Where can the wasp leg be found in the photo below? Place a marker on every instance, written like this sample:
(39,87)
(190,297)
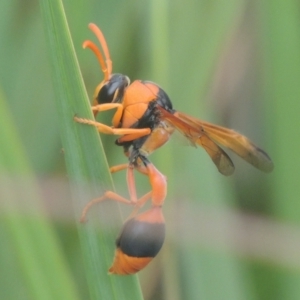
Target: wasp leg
(131,133)
(118,168)
(108,195)
(107,106)
(158,182)
(141,169)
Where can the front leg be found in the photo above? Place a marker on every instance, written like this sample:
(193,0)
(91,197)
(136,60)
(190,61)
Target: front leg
(108,106)
(131,133)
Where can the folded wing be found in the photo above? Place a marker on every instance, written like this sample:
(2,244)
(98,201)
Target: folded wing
(199,137)
(209,136)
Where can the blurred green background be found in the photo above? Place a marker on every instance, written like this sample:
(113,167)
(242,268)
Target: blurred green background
(234,63)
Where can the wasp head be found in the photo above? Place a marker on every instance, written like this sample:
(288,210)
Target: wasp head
(112,90)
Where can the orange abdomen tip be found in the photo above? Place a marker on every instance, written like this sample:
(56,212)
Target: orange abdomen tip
(139,242)
(126,265)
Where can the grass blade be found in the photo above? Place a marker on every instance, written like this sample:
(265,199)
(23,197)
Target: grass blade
(84,156)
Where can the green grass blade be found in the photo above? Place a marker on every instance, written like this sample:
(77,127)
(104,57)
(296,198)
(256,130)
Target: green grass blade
(84,156)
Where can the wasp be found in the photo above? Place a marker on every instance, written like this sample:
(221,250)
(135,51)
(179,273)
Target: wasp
(144,121)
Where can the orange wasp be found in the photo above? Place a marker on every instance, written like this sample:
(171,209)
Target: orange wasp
(145,120)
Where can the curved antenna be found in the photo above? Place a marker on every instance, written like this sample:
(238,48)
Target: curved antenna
(105,62)
(95,49)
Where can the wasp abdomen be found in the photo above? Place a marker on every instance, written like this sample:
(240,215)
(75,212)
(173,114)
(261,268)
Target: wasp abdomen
(141,239)
(139,242)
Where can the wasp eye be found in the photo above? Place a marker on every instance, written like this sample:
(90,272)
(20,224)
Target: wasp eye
(113,89)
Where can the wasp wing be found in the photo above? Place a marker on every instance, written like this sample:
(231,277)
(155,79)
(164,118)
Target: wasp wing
(234,141)
(198,136)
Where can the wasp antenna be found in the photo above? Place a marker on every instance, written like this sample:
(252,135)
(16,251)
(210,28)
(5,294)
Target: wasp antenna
(104,46)
(95,49)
